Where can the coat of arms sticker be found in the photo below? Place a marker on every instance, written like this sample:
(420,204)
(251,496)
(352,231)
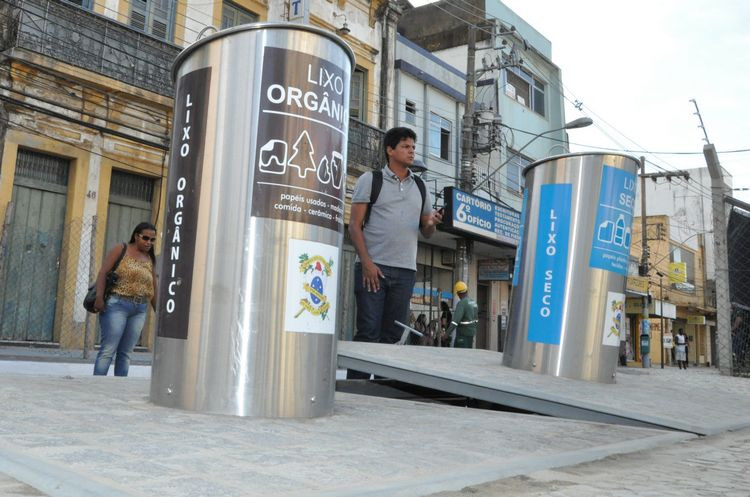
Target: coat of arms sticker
(312,287)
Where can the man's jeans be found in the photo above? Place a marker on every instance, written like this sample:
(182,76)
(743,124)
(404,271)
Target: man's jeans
(122,321)
(377,311)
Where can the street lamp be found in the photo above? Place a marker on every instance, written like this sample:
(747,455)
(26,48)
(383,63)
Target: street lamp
(418,167)
(581,122)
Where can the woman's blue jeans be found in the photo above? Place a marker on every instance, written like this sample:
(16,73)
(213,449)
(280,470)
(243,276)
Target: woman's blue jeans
(122,321)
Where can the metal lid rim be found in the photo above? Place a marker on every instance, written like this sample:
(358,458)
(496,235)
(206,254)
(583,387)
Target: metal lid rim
(575,154)
(187,51)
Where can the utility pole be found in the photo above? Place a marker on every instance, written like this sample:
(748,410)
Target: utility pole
(721,262)
(643,269)
(719,195)
(463,246)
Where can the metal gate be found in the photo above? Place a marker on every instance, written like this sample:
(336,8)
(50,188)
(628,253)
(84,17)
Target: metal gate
(738,240)
(30,271)
(130,197)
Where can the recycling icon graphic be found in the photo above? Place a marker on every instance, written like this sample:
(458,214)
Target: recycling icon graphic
(278,157)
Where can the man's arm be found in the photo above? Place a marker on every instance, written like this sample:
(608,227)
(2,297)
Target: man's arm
(371,273)
(458,315)
(428,222)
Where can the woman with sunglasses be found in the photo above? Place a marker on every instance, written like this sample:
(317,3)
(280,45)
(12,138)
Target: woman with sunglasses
(123,314)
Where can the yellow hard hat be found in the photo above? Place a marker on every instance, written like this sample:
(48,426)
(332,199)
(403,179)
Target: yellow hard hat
(460,287)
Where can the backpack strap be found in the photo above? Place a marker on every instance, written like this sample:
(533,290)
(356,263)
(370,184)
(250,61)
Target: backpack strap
(122,254)
(422,191)
(375,187)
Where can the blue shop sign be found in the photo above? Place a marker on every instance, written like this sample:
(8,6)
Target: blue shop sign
(551,261)
(610,248)
(483,218)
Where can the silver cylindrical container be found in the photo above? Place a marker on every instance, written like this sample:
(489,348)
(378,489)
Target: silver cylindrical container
(568,303)
(246,321)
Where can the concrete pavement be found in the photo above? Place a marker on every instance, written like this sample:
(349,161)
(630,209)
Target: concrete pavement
(715,466)
(64,433)
(79,436)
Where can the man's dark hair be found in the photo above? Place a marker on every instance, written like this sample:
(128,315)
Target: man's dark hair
(394,136)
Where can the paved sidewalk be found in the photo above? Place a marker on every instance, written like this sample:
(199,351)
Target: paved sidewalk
(86,436)
(57,355)
(10,487)
(715,466)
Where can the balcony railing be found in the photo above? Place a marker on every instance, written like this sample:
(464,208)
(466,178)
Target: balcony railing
(365,145)
(76,36)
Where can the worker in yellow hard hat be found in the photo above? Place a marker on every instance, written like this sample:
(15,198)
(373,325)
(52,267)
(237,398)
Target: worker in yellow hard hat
(464,323)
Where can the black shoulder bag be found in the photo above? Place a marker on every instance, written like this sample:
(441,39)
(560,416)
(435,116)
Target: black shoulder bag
(109,283)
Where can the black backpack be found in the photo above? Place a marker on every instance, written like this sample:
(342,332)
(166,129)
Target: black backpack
(377,184)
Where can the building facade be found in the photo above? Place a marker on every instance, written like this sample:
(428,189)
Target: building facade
(86,118)
(85,123)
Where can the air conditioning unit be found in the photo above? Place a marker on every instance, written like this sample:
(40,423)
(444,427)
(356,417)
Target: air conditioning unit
(447,257)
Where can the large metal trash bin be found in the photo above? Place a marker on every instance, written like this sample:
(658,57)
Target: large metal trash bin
(246,323)
(568,301)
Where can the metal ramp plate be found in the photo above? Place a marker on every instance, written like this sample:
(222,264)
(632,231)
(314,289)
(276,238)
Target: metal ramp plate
(696,400)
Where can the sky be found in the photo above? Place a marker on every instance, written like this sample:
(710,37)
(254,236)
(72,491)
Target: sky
(636,64)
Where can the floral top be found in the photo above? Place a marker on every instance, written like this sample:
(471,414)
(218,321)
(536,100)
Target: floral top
(135,278)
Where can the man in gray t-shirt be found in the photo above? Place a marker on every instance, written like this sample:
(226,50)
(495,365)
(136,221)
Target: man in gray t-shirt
(386,246)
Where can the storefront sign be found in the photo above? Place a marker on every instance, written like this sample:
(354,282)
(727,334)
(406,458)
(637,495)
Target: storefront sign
(610,249)
(633,306)
(493,270)
(468,214)
(551,256)
(696,320)
(678,272)
(299,11)
(637,284)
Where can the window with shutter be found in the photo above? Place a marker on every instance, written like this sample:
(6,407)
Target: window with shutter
(154,17)
(86,4)
(234,15)
(357,94)
(410,112)
(138,10)
(160,18)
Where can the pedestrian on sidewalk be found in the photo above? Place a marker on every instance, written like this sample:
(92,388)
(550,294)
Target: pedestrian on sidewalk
(122,314)
(446,316)
(681,349)
(422,326)
(464,323)
(390,207)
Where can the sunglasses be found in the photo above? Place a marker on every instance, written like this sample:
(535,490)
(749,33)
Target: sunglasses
(147,238)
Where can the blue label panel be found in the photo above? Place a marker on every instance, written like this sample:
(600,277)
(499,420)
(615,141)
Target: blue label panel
(551,260)
(521,229)
(610,248)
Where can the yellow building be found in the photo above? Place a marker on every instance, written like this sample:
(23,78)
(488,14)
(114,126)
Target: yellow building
(85,121)
(676,277)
